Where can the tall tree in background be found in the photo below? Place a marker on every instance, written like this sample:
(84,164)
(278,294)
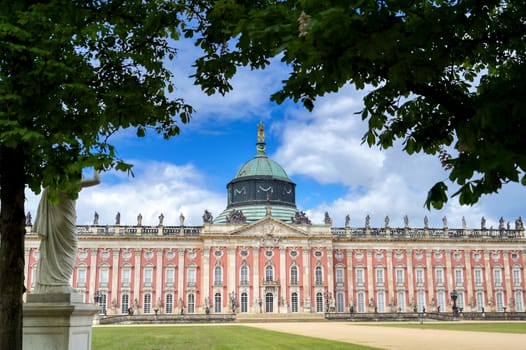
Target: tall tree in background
(72,73)
(446,77)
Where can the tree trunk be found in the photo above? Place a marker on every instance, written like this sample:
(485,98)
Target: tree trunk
(12,231)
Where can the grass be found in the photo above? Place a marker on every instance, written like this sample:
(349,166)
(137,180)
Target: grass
(207,337)
(497,327)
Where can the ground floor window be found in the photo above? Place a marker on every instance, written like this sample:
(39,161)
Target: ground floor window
(319,302)
(401,301)
(441,301)
(340,302)
(244,302)
(361,302)
(460,300)
(147,305)
(294,302)
(421,301)
(519,306)
(500,301)
(125,303)
(269,302)
(381,301)
(102,303)
(169,304)
(190,306)
(480,301)
(217,303)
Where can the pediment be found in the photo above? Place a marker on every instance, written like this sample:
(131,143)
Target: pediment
(270,229)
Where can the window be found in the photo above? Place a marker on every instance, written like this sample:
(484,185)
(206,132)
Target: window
(421,296)
(399,276)
(519,306)
(319,275)
(170,276)
(517,277)
(319,302)
(148,275)
(380,301)
(244,302)
(480,301)
(439,275)
(244,275)
(380,276)
(104,276)
(33,275)
(191,276)
(441,300)
(81,277)
(459,278)
(147,306)
(126,272)
(217,303)
(340,302)
(419,276)
(102,304)
(500,301)
(339,276)
(401,301)
(218,275)
(125,303)
(497,277)
(269,273)
(361,302)
(169,304)
(191,303)
(478,276)
(269,302)
(359,276)
(294,275)
(460,300)
(294,302)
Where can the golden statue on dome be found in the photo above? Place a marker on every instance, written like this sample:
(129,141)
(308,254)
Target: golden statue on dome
(261,132)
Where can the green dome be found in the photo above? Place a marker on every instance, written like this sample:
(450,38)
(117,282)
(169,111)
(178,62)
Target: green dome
(261,165)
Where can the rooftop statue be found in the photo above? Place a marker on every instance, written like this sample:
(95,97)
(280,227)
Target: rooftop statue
(483,223)
(95,219)
(261,132)
(501,223)
(55,223)
(181,219)
(236,217)
(387,220)
(207,217)
(161,219)
(444,221)
(464,225)
(367,221)
(28,219)
(426,222)
(118,219)
(139,219)
(406,221)
(300,218)
(328,220)
(347,220)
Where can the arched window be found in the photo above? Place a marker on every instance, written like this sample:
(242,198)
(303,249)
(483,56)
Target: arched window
(319,275)
(218,275)
(191,303)
(294,275)
(319,302)
(147,307)
(269,273)
(294,302)
(269,302)
(244,275)
(125,303)
(217,303)
(244,302)
(169,304)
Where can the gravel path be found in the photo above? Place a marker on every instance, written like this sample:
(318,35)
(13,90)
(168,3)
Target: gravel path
(400,338)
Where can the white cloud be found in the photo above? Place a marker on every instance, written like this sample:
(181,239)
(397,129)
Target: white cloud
(157,188)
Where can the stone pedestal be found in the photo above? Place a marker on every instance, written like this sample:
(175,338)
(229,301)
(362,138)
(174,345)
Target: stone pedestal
(57,322)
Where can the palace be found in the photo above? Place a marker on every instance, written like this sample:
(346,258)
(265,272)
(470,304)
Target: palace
(263,255)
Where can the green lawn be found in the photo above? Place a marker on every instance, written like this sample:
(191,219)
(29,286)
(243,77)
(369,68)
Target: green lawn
(499,327)
(206,337)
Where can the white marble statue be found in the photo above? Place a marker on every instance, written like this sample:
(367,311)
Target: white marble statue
(55,224)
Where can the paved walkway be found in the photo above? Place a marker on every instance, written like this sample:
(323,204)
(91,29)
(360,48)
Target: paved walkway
(400,338)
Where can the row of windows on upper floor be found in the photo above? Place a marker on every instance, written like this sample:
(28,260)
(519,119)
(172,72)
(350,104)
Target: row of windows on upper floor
(244,273)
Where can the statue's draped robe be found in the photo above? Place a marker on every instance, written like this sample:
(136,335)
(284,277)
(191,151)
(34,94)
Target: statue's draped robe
(56,226)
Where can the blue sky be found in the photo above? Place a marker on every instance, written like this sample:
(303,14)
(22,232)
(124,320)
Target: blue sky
(321,152)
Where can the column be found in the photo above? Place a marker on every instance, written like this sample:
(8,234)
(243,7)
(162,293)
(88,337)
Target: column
(158,280)
(450,272)
(390,276)
(180,275)
(507,280)
(370,277)
(430,272)
(468,282)
(205,278)
(231,269)
(137,278)
(255,278)
(307,303)
(488,286)
(114,278)
(410,278)
(92,273)
(350,278)
(283,277)
(330,272)
(26,269)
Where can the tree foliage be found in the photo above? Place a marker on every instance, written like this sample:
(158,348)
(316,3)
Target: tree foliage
(72,73)
(445,77)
